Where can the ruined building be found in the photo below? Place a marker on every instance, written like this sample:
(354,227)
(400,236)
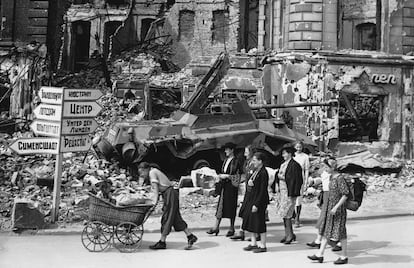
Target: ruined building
(353,53)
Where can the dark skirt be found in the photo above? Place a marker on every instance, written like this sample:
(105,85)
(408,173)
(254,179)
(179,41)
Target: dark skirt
(255,222)
(171,216)
(242,210)
(227,204)
(325,196)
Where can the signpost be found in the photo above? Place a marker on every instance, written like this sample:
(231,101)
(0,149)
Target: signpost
(66,115)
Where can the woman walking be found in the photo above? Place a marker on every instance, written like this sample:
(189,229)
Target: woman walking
(227,188)
(171,216)
(303,160)
(248,170)
(254,218)
(290,183)
(332,222)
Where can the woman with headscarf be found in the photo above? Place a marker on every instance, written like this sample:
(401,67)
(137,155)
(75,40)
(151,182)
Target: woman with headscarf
(227,188)
(332,222)
(290,183)
(171,216)
(254,218)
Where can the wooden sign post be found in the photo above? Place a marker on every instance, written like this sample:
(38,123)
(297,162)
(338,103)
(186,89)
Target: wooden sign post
(67,116)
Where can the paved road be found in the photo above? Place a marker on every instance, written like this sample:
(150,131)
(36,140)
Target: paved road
(373,243)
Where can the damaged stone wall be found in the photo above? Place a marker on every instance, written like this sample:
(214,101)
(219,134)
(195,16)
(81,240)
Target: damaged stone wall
(202,43)
(317,81)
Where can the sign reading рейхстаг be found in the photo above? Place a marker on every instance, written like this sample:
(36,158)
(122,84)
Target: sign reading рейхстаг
(25,146)
(77,143)
(82,109)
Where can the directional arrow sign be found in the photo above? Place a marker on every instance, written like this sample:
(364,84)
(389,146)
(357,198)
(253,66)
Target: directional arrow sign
(36,146)
(81,109)
(79,143)
(51,95)
(46,128)
(82,94)
(48,112)
(78,126)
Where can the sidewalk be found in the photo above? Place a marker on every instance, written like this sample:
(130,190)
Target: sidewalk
(393,203)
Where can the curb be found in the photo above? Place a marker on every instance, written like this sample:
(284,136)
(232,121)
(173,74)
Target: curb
(77,231)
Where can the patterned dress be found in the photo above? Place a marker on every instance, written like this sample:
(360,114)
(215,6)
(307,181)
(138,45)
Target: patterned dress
(285,204)
(333,227)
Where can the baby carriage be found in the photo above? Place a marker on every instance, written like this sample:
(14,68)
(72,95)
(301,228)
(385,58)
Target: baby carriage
(114,225)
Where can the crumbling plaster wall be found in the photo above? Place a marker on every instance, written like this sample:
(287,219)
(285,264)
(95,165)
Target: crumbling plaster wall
(303,82)
(202,43)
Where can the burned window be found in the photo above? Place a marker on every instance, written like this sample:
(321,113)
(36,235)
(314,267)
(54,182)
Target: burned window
(359,116)
(367,36)
(186,25)
(145,26)
(220,26)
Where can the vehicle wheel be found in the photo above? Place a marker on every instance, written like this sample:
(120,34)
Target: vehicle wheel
(201,163)
(129,236)
(96,236)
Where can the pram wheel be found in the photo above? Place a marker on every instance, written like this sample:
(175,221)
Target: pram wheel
(129,236)
(96,236)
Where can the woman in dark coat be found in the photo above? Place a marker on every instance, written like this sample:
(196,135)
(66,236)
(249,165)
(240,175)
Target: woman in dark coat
(228,189)
(332,222)
(254,217)
(248,170)
(290,183)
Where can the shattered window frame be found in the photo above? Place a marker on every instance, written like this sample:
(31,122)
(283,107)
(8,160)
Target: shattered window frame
(368,109)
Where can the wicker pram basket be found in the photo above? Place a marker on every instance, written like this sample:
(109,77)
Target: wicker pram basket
(110,214)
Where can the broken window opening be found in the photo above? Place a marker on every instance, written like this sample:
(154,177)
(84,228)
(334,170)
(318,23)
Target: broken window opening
(186,25)
(220,26)
(367,36)
(359,116)
(80,2)
(81,31)
(145,26)
(110,29)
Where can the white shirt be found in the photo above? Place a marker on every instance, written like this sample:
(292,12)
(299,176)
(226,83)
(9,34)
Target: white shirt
(325,176)
(226,165)
(303,160)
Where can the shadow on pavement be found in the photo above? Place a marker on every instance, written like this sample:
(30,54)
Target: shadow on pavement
(359,252)
(181,245)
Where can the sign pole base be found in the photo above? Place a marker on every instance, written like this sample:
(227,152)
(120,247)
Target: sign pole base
(56,187)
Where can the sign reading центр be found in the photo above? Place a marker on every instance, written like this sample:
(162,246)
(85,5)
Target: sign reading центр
(83,109)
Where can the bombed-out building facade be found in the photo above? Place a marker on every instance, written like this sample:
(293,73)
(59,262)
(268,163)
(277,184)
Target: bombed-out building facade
(355,56)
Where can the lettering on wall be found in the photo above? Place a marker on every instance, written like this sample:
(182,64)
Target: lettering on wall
(384,79)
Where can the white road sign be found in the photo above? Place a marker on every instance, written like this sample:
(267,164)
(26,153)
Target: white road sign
(46,128)
(81,109)
(82,94)
(36,146)
(51,95)
(78,126)
(78,143)
(48,112)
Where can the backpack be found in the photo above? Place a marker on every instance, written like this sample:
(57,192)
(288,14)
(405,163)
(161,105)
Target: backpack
(356,193)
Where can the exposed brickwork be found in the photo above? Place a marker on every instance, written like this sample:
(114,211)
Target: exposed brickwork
(201,43)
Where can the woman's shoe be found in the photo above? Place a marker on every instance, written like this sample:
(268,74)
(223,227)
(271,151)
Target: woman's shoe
(313,244)
(316,258)
(250,247)
(230,233)
(289,241)
(240,236)
(283,240)
(159,245)
(341,261)
(336,248)
(259,250)
(213,231)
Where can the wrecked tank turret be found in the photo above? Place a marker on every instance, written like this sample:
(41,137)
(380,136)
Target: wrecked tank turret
(192,137)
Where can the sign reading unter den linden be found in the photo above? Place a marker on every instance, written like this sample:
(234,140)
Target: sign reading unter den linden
(78,126)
